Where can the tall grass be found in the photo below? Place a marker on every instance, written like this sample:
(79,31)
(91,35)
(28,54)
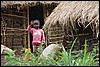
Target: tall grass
(64,59)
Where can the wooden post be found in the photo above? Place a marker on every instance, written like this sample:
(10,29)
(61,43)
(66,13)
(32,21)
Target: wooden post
(4,33)
(44,11)
(27,57)
(24,40)
(12,35)
(46,39)
(4,37)
(28,24)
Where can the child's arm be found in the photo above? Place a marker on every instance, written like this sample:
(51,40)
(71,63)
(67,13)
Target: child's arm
(29,29)
(43,36)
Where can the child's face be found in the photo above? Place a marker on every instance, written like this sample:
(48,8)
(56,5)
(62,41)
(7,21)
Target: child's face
(36,25)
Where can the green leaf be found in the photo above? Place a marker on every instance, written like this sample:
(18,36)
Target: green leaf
(73,44)
(6,57)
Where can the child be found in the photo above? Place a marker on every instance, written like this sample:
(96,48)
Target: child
(38,36)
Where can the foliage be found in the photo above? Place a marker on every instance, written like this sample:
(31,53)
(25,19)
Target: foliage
(64,59)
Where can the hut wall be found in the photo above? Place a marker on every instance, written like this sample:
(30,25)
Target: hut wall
(55,34)
(13,29)
(87,35)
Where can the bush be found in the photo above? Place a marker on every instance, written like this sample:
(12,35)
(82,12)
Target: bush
(64,59)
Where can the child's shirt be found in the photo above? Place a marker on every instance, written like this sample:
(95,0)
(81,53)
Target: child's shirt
(38,35)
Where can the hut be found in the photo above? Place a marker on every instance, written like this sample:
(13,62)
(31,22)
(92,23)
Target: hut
(15,17)
(71,19)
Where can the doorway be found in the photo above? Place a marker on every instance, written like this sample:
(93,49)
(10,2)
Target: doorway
(36,12)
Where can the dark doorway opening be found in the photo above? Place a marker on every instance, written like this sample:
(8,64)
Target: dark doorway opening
(36,12)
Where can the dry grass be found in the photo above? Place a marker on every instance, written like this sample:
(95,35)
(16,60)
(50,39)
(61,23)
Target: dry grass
(24,3)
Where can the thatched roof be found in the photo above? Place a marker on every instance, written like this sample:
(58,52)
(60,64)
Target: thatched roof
(25,3)
(68,13)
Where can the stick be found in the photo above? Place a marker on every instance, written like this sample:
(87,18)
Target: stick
(28,24)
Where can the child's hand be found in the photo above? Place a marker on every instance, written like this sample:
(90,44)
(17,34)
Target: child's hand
(32,22)
(43,41)
(29,25)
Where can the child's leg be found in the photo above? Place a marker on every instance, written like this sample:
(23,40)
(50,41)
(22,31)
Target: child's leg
(39,48)
(34,50)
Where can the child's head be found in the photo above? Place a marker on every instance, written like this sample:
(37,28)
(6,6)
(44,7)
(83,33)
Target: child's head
(36,24)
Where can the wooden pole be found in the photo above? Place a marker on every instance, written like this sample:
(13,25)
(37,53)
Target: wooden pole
(46,39)
(27,57)
(4,37)
(14,15)
(28,24)
(24,41)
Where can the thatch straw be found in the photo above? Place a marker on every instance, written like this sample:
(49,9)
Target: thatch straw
(26,3)
(68,13)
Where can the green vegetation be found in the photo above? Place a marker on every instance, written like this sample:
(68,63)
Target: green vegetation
(64,59)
